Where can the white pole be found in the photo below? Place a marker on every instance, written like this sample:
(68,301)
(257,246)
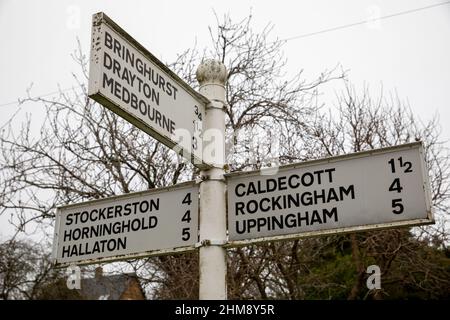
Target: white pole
(212,77)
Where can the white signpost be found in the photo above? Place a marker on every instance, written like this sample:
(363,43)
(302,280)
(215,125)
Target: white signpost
(363,191)
(129,226)
(368,190)
(130,81)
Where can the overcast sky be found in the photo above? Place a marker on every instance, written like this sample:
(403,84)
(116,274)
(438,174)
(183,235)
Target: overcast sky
(409,53)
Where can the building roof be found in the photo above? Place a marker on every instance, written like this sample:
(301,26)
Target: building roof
(106,287)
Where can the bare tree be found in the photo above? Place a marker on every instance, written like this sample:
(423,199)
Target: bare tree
(297,269)
(24,268)
(86,152)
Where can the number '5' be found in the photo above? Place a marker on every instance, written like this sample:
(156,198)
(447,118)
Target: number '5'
(398,206)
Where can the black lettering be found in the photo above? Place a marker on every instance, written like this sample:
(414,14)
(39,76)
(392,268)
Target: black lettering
(96,248)
(350,191)
(162,82)
(129,58)
(152,112)
(110,214)
(271,185)
(135,225)
(158,118)
(278,222)
(144,206)
(126,226)
(122,243)
(101,214)
(236,191)
(282,183)
(332,196)
(251,188)
(153,222)
(67,235)
(175,93)
(239,230)
(139,65)
(134,101)
(69,219)
(74,252)
(108,40)
(251,223)
(127,209)
(155,96)
(76,233)
(318,174)
(252,206)
(117,47)
(107,61)
(76,214)
(84,217)
(320,195)
(330,174)
(117,89)
(304,218)
(142,107)
(125,95)
(116,68)
(91,215)
(108,82)
(276,203)
(166,123)
(154,204)
(240,208)
(315,217)
(66,250)
(261,204)
(310,177)
(293,199)
(330,214)
(261,222)
(147,91)
(85,233)
(290,221)
(169,89)
(125,75)
(135,204)
(148,73)
(291,183)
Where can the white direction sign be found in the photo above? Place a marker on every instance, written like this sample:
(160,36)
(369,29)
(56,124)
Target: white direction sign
(130,81)
(129,226)
(367,190)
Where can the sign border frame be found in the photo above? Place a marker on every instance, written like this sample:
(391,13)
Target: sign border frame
(121,257)
(99,18)
(343,230)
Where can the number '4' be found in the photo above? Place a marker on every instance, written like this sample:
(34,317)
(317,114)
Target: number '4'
(395,186)
(187,216)
(187,199)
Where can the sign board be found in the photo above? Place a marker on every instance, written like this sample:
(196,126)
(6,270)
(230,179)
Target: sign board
(362,191)
(129,226)
(130,81)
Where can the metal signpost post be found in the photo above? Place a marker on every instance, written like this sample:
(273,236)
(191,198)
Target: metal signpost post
(368,190)
(212,76)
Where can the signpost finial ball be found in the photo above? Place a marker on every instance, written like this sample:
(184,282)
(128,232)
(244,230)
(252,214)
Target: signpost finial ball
(211,71)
